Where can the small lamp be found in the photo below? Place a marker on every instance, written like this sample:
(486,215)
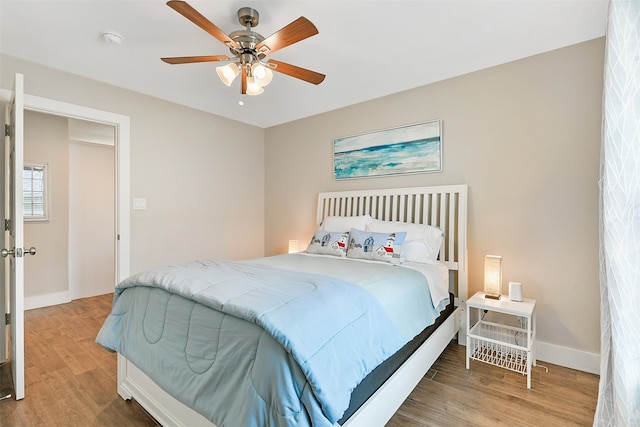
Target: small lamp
(492,276)
(293,246)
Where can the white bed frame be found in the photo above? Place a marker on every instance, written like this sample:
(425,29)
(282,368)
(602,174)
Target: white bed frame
(442,206)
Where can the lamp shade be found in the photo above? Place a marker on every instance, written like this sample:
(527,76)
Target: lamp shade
(253,88)
(228,73)
(261,74)
(492,276)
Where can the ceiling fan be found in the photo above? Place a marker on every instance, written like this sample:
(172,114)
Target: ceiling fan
(249,49)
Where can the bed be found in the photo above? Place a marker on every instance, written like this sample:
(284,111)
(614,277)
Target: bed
(351,284)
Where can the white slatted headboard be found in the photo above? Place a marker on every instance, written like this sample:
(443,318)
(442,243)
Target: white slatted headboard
(441,206)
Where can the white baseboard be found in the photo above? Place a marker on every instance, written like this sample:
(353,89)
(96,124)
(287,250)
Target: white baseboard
(568,357)
(46,300)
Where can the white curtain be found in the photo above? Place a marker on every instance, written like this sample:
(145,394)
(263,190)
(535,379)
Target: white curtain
(619,393)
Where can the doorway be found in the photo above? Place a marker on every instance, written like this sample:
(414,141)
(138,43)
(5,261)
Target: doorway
(122,139)
(121,126)
(74,232)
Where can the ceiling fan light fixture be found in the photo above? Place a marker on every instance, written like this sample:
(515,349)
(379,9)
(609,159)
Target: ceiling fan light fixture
(261,74)
(249,49)
(228,73)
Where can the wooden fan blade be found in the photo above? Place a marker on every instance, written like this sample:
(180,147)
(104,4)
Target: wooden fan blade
(297,72)
(298,30)
(244,81)
(194,16)
(191,59)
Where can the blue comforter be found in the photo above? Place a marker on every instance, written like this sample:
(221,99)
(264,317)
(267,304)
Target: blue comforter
(264,346)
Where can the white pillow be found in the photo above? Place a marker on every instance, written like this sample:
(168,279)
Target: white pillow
(422,243)
(345,223)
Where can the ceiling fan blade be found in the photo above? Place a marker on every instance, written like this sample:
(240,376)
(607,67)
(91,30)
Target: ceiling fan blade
(244,81)
(191,59)
(297,72)
(194,16)
(298,30)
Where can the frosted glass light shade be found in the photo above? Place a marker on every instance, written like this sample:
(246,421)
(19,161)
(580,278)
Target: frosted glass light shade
(228,73)
(253,88)
(261,74)
(492,276)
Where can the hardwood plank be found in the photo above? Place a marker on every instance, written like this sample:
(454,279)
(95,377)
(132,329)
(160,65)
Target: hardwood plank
(486,395)
(40,354)
(98,385)
(445,404)
(43,397)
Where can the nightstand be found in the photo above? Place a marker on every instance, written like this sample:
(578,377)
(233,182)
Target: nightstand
(497,342)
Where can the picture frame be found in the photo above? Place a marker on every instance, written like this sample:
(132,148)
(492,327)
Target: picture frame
(409,149)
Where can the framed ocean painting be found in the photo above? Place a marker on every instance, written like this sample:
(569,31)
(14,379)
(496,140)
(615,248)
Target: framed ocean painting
(403,150)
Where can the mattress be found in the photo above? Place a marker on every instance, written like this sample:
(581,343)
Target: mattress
(374,380)
(182,340)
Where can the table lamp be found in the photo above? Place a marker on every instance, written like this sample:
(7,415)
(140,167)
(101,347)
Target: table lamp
(492,276)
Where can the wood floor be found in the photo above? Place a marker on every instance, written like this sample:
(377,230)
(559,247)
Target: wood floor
(71,381)
(485,395)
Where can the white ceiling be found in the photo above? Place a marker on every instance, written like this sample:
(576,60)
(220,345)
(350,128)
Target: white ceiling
(367,49)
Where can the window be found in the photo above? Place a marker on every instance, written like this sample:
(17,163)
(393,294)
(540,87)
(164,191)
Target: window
(34,192)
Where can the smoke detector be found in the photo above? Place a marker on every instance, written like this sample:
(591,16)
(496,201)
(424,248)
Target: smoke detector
(111,37)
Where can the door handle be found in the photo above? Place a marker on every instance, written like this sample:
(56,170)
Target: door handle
(6,252)
(17,252)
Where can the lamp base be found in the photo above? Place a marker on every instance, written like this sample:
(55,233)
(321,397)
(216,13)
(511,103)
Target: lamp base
(492,296)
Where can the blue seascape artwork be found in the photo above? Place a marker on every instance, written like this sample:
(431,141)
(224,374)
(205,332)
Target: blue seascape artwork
(410,149)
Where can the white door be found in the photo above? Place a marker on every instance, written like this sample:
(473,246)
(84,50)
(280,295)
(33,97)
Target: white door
(13,251)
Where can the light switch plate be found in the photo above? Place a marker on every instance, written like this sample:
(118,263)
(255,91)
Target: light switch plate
(139,203)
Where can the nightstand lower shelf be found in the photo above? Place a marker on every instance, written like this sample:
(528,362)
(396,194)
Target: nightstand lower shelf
(498,345)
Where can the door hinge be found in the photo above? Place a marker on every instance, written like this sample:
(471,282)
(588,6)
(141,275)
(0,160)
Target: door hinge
(7,318)
(7,130)
(7,225)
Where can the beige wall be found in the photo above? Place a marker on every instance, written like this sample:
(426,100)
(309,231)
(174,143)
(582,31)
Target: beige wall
(92,224)
(202,175)
(524,136)
(46,141)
